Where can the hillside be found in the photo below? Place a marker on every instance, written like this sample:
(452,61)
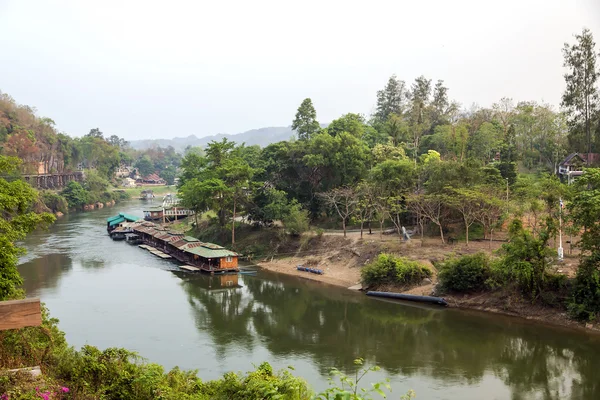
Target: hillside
(261,137)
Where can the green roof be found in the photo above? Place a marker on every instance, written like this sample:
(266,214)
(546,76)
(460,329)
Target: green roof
(116,221)
(209,253)
(127,217)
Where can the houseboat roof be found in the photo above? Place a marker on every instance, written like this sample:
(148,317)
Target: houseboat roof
(184,243)
(122,217)
(207,250)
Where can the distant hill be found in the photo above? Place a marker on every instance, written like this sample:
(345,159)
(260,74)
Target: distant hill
(261,137)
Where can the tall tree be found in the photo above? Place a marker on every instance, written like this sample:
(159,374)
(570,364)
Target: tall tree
(305,123)
(419,118)
(580,98)
(391,99)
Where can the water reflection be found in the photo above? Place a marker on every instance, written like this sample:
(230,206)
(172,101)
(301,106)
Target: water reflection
(44,272)
(293,318)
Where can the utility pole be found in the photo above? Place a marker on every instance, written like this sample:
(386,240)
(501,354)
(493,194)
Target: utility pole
(560,248)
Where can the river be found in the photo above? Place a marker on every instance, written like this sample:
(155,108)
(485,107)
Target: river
(111,294)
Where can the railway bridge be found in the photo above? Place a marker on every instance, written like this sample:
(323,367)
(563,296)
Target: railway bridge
(53,181)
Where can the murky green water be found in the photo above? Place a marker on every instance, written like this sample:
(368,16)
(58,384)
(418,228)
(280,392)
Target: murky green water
(109,293)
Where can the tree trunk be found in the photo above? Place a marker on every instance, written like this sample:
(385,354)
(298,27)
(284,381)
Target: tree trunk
(362,224)
(467,232)
(441,233)
(381,230)
(344,226)
(370,232)
(233,225)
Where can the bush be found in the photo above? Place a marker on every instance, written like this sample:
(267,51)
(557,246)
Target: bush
(465,274)
(55,202)
(584,302)
(75,195)
(297,221)
(388,269)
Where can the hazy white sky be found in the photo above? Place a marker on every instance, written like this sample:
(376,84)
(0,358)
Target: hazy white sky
(160,69)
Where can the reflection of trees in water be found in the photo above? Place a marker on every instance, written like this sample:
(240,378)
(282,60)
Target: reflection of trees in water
(333,329)
(222,312)
(45,271)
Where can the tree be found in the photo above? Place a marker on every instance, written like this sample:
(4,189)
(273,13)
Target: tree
(365,207)
(396,129)
(94,182)
(391,99)
(297,221)
(344,201)
(237,174)
(75,194)
(580,98)
(201,196)
(433,207)
(145,166)
(352,123)
(168,174)
(468,203)
(16,201)
(305,123)
(419,120)
(95,133)
(490,211)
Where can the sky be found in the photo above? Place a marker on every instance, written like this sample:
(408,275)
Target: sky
(163,69)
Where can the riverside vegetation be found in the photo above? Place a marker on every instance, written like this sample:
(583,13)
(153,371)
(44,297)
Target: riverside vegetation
(420,160)
(116,373)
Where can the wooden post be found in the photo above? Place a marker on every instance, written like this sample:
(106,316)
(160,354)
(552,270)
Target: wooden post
(15,314)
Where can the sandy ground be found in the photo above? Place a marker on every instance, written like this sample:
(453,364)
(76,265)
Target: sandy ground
(334,273)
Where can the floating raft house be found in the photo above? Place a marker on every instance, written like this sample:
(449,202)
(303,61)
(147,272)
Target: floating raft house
(207,257)
(115,222)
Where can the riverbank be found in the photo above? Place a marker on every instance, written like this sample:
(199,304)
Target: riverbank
(341,260)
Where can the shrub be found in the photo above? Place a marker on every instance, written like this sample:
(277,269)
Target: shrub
(584,302)
(465,274)
(55,202)
(388,269)
(297,221)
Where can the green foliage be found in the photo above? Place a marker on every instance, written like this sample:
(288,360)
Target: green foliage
(346,387)
(54,201)
(94,182)
(584,303)
(584,209)
(144,165)
(468,273)
(296,222)
(580,99)
(168,174)
(17,199)
(75,195)
(525,259)
(305,123)
(388,269)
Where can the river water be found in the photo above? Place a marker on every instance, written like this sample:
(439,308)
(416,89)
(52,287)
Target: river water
(111,294)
